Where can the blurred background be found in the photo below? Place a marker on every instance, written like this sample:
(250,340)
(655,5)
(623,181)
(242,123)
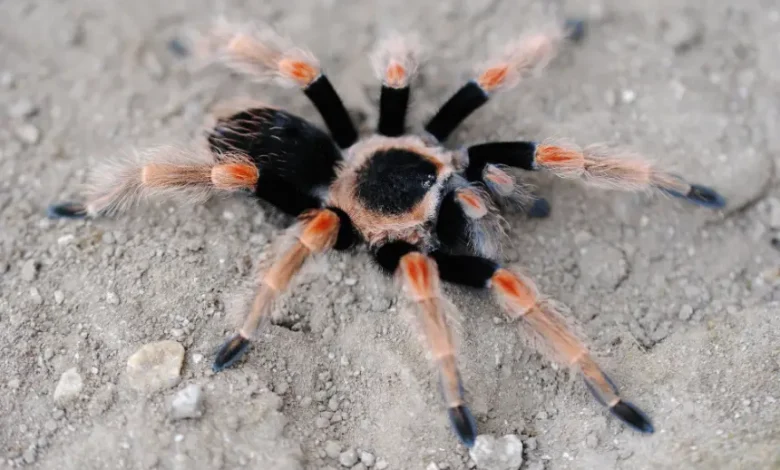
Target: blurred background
(680,303)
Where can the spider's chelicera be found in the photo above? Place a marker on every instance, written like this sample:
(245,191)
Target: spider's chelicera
(427,213)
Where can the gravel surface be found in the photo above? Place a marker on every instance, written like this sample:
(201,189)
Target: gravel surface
(681,304)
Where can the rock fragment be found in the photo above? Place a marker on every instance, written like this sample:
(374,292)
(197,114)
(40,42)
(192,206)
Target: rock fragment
(156,366)
(490,453)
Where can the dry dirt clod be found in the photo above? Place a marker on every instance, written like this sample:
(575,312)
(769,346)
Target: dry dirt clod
(156,366)
(69,387)
(187,403)
(490,453)
(348,458)
(332,449)
(30,270)
(28,133)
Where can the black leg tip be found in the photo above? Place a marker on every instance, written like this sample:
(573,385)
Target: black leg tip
(66,210)
(463,424)
(632,416)
(540,209)
(575,29)
(178,48)
(702,196)
(230,352)
(707,197)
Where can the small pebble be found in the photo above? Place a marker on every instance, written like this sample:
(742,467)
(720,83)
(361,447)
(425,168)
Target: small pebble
(685,312)
(29,455)
(432,466)
(628,96)
(531,443)
(332,449)
(348,458)
(69,387)
(35,296)
(112,298)
(156,366)
(322,422)
(187,403)
(333,404)
(381,465)
(28,134)
(23,108)
(367,458)
(592,441)
(59,297)
(490,453)
(29,270)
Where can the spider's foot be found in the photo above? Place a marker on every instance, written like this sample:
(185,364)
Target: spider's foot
(230,352)
(702,196)
(67,210)
(463,424)
(540,209)
(575,29)
(632,416)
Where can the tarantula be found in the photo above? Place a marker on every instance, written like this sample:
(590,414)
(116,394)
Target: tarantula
(427,213)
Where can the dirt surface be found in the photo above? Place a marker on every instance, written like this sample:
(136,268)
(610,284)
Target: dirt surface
(681,303)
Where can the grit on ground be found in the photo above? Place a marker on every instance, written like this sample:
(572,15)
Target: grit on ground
(680,303)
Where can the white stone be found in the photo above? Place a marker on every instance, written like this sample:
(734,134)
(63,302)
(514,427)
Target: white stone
(69,387)
(490,453)
(156,366)
(187,403)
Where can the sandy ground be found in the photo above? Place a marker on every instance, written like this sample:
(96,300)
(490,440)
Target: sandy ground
(681,304)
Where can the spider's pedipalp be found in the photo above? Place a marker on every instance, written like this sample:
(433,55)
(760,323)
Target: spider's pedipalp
(318,231)
(192,175)
(262,54)
(468,220)
(520,58)
(395,62)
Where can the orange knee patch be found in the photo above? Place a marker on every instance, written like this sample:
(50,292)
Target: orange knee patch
(493,77)
(300,71)
(514,290)
(471,203)
(553,156)
(235,176)
(420,276)
(321,231)
(395,75)
(501,181)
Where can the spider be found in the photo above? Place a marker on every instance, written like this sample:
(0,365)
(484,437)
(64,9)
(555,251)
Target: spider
(427,213)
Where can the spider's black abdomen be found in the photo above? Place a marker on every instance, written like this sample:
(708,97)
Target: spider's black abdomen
(294,157)
(393,181)
(281,144)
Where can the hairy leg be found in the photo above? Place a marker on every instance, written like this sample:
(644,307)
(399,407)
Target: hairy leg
(595,165)
(419,279)
(395,62)
(192,175)
(522,302)
(262,55)
(318,231)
